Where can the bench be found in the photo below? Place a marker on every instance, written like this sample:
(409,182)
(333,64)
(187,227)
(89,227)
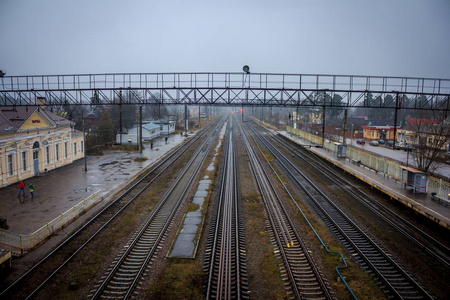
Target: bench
(5,256)
(356,162)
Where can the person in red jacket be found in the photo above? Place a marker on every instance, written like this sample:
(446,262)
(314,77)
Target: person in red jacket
(22,189)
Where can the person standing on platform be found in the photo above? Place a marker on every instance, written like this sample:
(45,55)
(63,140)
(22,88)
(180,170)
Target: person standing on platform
(22,189)
(31,188)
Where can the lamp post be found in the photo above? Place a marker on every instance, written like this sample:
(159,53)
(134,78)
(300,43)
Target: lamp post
(84,144)
(407,157)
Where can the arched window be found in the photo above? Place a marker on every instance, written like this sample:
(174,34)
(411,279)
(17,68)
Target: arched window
(36,145)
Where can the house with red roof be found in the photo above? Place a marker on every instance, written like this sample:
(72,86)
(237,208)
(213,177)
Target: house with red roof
(379,130)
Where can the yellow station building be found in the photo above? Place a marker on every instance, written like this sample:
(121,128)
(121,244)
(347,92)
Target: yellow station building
(33,141)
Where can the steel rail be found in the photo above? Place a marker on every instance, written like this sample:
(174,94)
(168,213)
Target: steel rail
(268,189)
(157,223)
(352,235)
(227,269)
(169,160)
(307,282)
(411,231)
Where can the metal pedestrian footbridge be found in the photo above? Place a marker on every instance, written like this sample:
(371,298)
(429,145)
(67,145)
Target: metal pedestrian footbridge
(238,89)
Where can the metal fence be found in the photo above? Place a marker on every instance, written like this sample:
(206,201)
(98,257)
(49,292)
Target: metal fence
(388,167)
(28,241)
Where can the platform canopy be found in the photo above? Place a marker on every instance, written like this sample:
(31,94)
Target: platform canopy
(416,179)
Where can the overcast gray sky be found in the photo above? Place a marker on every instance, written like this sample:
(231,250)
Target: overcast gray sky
(348,37)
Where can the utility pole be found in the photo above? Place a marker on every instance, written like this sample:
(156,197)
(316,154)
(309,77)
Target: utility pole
(271,116)
(168,125)
(395,121)
(323,126)
(120,117)
(199,124)
(140,131)
(345,125)
(351,141)
(84,145)
(186,121)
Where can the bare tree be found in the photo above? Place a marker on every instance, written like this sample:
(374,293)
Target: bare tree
(431,132)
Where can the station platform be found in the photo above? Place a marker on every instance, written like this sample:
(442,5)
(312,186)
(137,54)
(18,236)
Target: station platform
(421,203)
(59,190)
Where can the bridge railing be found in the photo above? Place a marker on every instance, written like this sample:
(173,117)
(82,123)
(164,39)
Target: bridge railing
(307,82)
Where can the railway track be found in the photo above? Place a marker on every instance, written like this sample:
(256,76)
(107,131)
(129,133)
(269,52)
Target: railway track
(127,270)
(389,275)
(422,239)
(301,272)
(36,278)
(225,260)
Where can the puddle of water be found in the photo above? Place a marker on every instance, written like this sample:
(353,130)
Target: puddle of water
(186,242)
(210,167)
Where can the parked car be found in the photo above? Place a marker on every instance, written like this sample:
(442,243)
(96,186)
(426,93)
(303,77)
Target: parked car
(400,145)
(361,141)
(374,143)
(409,148)
(389,144)
(381,142)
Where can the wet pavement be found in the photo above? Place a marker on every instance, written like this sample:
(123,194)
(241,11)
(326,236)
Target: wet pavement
(62,188)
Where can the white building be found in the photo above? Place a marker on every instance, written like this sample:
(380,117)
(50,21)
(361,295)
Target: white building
(149,132)
(167,126)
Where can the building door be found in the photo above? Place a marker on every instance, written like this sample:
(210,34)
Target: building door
(36,162)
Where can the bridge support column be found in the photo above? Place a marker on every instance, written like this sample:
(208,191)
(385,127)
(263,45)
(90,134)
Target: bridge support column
(186,120)
(323,126)
(345,125)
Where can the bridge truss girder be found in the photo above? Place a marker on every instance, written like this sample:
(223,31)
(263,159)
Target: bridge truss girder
(225,89)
